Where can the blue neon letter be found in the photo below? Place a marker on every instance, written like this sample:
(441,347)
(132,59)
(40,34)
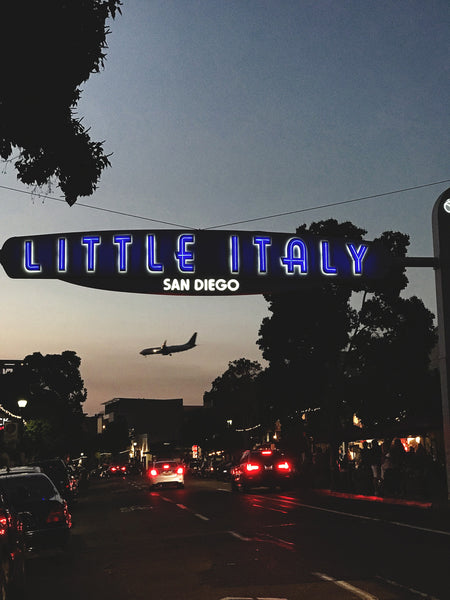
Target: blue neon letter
(152,265)
(90,241)
(234,254)
(62,255)
(358,256)
(183,256)
(296,256)
(29,263)
(262,243)
(325,265)
(122,242)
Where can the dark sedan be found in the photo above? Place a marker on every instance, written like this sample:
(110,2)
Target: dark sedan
(12,551)
(262,468)
(42,510)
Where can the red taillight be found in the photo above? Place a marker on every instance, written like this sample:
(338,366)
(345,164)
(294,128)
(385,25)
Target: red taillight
(166,467)
(180,471)
(266,452)
(252,467)
(113,469)
(56,515)
(3,522)
(123,469)
(284,466)
(153,472)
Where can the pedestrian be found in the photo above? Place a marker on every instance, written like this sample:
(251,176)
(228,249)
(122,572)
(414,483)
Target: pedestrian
(397,455)
(375,465)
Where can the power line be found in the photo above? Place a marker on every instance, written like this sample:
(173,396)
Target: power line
(253,220)
(294,212)
(99,208)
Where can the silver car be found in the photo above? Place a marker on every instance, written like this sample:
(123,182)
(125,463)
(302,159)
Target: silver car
(166,472)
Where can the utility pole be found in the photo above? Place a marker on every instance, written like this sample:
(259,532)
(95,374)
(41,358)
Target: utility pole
(441,241)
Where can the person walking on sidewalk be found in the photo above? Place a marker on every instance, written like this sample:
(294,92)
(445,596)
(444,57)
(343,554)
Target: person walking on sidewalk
(375,465)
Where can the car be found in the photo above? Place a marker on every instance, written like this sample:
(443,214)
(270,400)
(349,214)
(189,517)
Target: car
(44,514)
(117,471)
(57,470)
(262,468)
(166,472)
(12,551)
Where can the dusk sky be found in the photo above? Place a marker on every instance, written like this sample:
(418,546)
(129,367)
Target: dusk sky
(222,111)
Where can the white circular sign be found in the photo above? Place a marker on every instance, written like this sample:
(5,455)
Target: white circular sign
(447,205)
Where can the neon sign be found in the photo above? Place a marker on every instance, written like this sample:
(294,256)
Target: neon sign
(192,263)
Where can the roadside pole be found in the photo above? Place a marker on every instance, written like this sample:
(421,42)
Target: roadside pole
(441,241)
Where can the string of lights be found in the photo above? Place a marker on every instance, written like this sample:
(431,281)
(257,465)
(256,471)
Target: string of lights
(233,223)
(9,413)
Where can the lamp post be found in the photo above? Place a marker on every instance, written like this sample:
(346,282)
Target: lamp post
(22,402)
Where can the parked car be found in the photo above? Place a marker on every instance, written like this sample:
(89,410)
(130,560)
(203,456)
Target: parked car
(262,468)
(56,469)
(12,550)
(44,513)
(166,472)
(117,471)
(223,470)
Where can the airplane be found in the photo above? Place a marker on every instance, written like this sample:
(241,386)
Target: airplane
(169,350)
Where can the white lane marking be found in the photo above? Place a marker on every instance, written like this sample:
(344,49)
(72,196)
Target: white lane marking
(427,529)
(183,507)
(366,518)
(202,517)
(256,505)
(240,537)
(133,508)
(347,586)
(404,587)
(166,499)
(277,541)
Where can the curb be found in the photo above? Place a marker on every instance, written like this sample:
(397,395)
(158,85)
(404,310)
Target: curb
(378,499)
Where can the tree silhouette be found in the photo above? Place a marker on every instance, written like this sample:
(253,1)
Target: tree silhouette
(325,354)
(49,48)
(55,394)
(235,401)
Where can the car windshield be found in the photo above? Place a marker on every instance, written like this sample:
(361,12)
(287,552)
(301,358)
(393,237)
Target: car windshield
(265,458)
(29,488)
(55,470)
(162,465)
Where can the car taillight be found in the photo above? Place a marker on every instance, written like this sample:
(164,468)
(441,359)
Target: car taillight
(284,466)
(123,469)
(166,467)
(252,467)
(56,515)
(180,471)
(153,472)
(113,469)
(4,521)
(266,452)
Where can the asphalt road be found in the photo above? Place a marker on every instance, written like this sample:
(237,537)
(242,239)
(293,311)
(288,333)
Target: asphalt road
(206,543)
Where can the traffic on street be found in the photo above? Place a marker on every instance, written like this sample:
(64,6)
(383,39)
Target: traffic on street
(130,541)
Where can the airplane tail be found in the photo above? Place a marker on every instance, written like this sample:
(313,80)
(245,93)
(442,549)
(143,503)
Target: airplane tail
(193,338)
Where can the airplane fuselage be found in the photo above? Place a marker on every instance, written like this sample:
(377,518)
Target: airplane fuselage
(169,350)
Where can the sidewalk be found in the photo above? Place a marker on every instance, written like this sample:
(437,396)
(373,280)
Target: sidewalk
(426,515)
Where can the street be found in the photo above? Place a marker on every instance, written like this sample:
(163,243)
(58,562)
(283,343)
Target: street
(205,543)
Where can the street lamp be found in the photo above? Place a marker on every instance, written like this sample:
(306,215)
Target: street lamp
(22,402)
